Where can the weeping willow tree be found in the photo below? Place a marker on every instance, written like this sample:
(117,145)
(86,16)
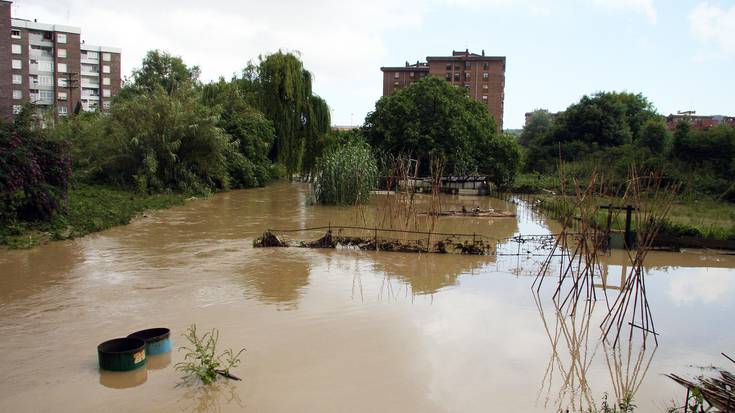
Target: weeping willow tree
(318,125)
(299,117)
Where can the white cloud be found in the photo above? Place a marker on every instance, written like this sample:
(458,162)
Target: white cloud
(714,25)
(711,285)
(644,7)
(342,42)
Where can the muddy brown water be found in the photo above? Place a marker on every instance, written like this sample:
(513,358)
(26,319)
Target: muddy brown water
(338,330)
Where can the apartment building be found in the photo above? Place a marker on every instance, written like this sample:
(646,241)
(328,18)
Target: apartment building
(483,77)
(50,66)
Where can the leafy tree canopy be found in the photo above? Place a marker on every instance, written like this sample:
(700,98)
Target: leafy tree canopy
(433,119)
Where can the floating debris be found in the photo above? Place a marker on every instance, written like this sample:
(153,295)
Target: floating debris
(470,244)
(475,212)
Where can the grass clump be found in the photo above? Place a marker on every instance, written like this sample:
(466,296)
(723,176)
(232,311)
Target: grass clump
(346,175)
(201,360)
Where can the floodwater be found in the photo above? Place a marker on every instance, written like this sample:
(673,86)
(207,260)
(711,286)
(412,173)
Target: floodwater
(341,330)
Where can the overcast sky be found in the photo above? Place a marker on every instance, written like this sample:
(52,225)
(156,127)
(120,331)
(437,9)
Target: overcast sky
(680,54)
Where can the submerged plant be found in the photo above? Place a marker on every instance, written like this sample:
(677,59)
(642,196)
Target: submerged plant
(201,359)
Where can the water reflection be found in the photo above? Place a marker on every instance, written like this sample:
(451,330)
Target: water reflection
(123,379)
(215,397)
(158,361)
(575,340)
(282,286)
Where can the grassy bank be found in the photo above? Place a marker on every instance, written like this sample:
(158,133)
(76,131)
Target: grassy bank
(702,218)
(90,208)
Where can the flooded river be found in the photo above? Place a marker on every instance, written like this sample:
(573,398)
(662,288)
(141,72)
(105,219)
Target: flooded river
(339,330)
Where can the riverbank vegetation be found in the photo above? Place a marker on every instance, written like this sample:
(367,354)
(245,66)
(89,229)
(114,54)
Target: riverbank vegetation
(611,132)
(166,134)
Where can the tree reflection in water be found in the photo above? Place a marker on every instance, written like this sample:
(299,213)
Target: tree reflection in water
(574,346)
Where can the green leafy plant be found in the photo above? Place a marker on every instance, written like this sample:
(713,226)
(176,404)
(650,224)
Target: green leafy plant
(201,359)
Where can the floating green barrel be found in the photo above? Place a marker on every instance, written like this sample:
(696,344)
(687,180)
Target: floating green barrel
(121,354)
(157,340)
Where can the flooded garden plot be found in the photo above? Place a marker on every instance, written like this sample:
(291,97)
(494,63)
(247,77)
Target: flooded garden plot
(347,329)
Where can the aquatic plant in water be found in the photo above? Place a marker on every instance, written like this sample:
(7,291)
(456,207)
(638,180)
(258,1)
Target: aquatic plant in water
(201,359)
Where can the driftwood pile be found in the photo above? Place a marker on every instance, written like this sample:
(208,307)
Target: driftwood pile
(717,391)
(330,240)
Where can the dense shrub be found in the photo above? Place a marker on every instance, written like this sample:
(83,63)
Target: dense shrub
(34,171)
(346,175)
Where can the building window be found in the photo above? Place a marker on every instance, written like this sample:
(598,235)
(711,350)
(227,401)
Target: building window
(466,75)
(456,76)
(16,109)
(486,75)
(485,66)
(45,66)
(467,65)
(449,76)
(106,57)
(449,66)
(63,111)
(17,79)
(16,49)
(45,80)
(106,104)
(46,95)
(62,95)
(467,85)
(62,53)
(411,74)
(17,94)
(456,67)
(396,83)
(106,93)
(60,38)
(106,69)
(106,81)
(92,55)
(485,87)
(62,82)
(484,97)
(15,34)
(17,64)
(62,67)
(395,75)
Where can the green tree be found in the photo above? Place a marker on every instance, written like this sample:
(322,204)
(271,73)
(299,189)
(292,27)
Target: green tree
(160,69)
(248,128)
(432,119)
(318,126)
(168,142)
(286,99)
(538,126)
(654,136)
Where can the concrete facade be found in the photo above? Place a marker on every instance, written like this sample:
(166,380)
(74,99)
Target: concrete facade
(52,68)
(482,76)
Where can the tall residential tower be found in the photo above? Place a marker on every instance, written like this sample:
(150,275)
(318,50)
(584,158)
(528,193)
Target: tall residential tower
(482,76)
(50,66)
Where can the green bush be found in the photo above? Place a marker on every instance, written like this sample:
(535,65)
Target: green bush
(346,175)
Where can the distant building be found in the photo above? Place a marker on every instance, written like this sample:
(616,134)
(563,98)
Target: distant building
(700,122)
(482,76)
(50,66)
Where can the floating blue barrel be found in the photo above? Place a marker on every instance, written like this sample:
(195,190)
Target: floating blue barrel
(121,354)
(157,340)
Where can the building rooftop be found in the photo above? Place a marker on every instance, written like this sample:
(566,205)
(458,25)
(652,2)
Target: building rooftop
(33,25)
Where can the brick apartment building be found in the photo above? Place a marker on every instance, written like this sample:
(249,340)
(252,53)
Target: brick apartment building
(482,76)
(700,122)
(50,66)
